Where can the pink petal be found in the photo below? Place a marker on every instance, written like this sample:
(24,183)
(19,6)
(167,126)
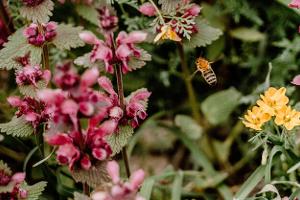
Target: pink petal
(58,139)
(51,26)
(99,153)
(89,77)
(47,76)
(31,116)
(113,170)
(18,177)
(194,10)
(137,178)
(14,101)
(88,37)
(123,51)
(135,37)
(85,162)
(147,9)
(295,4)
(86,108)
(69,107)
(108,127)
(296,80)
(106,84)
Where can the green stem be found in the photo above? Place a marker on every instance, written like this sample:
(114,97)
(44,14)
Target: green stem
(190,90)
(158,12)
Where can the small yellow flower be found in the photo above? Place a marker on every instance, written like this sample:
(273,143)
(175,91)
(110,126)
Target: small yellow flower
(166,32)
(255,118)
(287,117)
(273,100)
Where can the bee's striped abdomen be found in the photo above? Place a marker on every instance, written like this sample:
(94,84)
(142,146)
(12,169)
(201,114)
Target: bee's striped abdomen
(208,74)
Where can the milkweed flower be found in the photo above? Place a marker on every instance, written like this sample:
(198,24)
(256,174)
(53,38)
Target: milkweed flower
(287,117)
(119,189)
(273,100)
(255,118)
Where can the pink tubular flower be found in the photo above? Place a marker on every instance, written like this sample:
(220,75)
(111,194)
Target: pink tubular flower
(121,190)
(108,21)
(37,37)
(147,9)
(295,4)
(33,111)
(124,51)
(296,80)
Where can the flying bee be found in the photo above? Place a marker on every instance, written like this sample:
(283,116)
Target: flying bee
(207,72)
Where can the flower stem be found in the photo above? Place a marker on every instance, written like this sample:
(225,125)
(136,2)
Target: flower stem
(122,105)
(45,57)
(86,189)
(190,90)
(158,12)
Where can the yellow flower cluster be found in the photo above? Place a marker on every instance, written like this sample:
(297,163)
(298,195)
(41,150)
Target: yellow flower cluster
(272,104)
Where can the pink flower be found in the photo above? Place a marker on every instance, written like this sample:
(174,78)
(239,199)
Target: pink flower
(108,19)
(67,154)
(295,4)
(32,3)
(147,9)
(121,190)
(296,80)
(38,38)
(194,10)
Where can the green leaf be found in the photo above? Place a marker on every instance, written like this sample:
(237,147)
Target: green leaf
(67,37)
(247,34)
(17,127)
(34,191)
(17,46)
(4,167)
(271,188)
(94,177)
(137,63)
(88,13)
(31,90)
(250,183)
(206,34)
(188,126)
(79,196)
(119,139)
(293,168)
(274,151)
(144,103)
(177,185)
(168,6)
(147,188)
(218,107)
(85,61)
(38,14)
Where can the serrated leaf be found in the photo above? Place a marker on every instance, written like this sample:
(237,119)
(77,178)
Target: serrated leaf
(4,167)
(132,94)
(79,196)
(188,126)
(7,188)
(40,13)
(247,34)
(31,90)
(137,63)
(17,127)
(88,13)
(17,46)
(218,107)
(168,6)
(119,139)
(67,37)
(206,34)
(96,176)
(34,191)
(85,61)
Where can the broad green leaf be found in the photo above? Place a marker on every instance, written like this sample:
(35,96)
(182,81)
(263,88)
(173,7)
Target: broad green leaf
(38,14)
(168,6)
(67,37)
(17,127)
(218,107)
(31,90)
(177,185)
(206,34)
(119,139)
(250,183)
(147,188)
(137,63)
(188,126)
(34,191)
(85,61)
(88,13)
(17,46)
(79,196)
(247,34)
(95,176)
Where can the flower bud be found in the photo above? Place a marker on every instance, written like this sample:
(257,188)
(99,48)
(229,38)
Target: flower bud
(147,9)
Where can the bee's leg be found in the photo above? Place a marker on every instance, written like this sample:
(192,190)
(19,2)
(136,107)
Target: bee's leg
(192,75)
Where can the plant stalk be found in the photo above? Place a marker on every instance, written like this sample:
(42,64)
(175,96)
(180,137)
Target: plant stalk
(122,105)
(188,83)
(86,189)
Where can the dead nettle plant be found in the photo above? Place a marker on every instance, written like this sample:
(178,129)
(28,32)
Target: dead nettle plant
(85,126)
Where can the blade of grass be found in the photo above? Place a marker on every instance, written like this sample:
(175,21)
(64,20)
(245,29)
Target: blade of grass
(177,184)
(147,187)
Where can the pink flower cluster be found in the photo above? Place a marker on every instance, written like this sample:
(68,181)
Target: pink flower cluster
(37,36)
(34,111)
(108,20)
(30,74)
(185,10)
(32,3)
(121,190)
(12,183)
(295,4)
(111,54)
